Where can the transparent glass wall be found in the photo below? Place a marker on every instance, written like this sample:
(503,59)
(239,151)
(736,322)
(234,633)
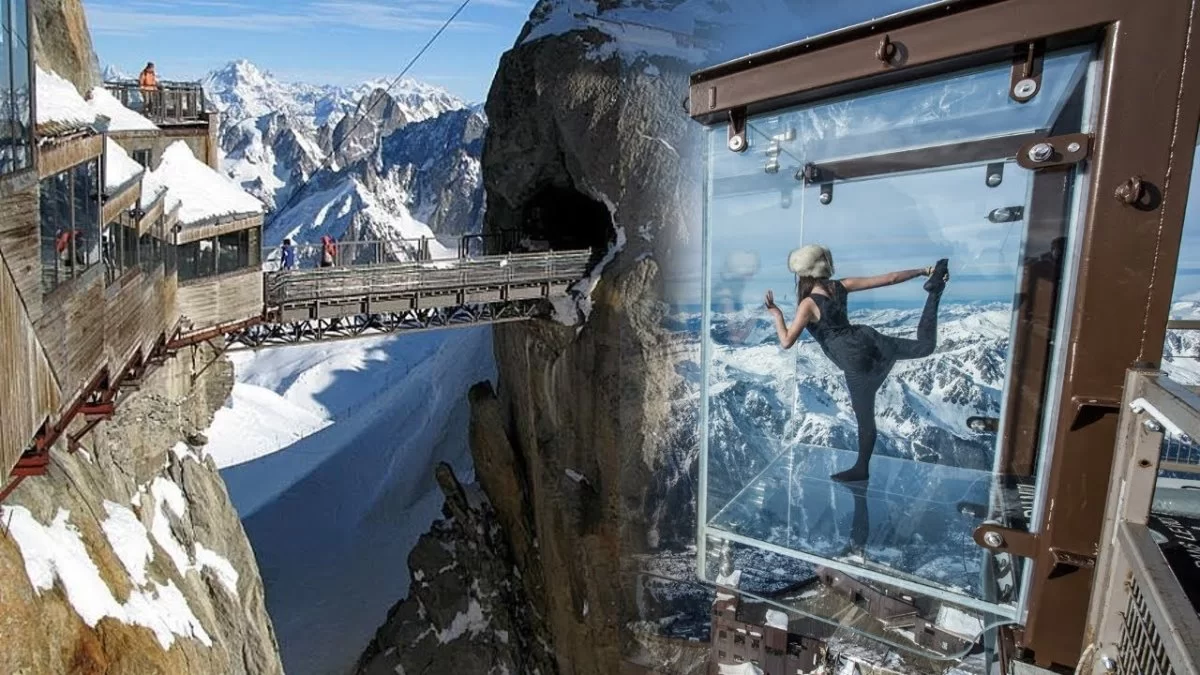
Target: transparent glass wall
(948,381)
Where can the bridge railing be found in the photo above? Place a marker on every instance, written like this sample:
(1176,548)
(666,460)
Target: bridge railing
(332,283)
(171,102)
(1141,619)
(357,253)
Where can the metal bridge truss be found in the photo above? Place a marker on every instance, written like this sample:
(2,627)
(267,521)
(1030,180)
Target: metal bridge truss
(277,334)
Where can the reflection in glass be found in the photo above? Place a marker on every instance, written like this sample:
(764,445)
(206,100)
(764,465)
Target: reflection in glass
(22,101)
(86,206)
(917,317)
(8,129)
(1181,353)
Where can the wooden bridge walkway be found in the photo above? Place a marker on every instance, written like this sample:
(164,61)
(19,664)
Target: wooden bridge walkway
(309,305)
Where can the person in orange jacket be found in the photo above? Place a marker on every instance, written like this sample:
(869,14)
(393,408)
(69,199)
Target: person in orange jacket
(148,84)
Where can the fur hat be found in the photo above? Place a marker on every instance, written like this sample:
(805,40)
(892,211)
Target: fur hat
(813,260)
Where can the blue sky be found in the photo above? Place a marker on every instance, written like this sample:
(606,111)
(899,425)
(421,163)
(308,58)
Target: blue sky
(319,41)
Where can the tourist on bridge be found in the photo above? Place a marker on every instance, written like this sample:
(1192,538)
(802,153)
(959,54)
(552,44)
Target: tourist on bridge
(288,254)
(148,85)
(328,251)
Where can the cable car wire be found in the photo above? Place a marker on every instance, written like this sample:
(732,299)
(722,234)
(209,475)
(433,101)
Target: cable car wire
(363,115)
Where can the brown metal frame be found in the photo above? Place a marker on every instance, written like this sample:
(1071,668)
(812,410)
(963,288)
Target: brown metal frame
(1145,133)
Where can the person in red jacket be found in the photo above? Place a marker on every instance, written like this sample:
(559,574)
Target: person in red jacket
(328,251)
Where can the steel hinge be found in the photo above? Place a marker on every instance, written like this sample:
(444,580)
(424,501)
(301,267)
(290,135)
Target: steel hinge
(1055,151)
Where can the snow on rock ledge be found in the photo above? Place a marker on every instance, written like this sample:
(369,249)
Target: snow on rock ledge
(193,186)
(58,102)
(119,167)
(55,551)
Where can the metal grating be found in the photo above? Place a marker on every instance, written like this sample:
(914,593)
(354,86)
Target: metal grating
(1141,650)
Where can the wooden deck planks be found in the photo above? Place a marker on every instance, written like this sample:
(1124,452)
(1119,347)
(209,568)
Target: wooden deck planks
(222,299)
(29,393)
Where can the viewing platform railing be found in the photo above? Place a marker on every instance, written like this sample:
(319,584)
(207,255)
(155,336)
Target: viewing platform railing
(170,103)
(1141,620)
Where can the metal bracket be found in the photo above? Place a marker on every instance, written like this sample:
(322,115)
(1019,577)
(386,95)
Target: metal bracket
(999,539)
(1055,151)
(826,193)
(1006,214)
(737,130)
(1081,402)
(1066,558)
(1026,78)
(995,174)
(809,173)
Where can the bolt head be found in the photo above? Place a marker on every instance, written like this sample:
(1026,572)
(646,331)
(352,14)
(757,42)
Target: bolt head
(1153,425)
(1041,152)
(994,179)
(993,539)
(1109,662)
(826,197)
(737,144)
(1072,147)
(1025,88)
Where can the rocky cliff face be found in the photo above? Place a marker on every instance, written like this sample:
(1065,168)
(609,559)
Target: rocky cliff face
(128,557)
(63,43)
(587,147)
(593,401)
(467,611)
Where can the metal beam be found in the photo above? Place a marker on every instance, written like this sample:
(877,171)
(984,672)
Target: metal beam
(282,334)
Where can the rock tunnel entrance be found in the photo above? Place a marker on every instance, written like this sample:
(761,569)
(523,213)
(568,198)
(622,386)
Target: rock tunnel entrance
(563,218)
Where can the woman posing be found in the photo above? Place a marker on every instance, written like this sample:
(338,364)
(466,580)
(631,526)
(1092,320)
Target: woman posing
(865,355)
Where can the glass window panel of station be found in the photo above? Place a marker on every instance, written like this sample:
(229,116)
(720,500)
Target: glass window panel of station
(778,424)
(8,128)
(21,87)
(57,246)
(129,246)
(188,260)
(86,207)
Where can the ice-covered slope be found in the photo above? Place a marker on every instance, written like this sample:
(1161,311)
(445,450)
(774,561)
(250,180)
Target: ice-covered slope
(329,453)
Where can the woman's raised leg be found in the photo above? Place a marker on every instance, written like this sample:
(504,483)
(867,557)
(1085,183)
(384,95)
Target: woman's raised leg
(926,341)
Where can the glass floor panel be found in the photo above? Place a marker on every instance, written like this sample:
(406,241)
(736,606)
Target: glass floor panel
(913,520)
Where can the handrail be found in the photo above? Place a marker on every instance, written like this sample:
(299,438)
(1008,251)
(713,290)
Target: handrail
(170,102)
(333,283)
(354,253)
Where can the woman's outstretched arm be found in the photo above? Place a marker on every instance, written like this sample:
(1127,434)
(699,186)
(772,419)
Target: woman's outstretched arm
(789,334)
(890,279)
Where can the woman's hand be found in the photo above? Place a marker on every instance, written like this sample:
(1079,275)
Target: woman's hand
(771,301)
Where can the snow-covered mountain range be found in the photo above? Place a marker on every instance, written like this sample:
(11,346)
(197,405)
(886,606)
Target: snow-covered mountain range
(399,162)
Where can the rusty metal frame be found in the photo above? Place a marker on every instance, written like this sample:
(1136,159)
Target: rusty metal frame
(1146,126)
